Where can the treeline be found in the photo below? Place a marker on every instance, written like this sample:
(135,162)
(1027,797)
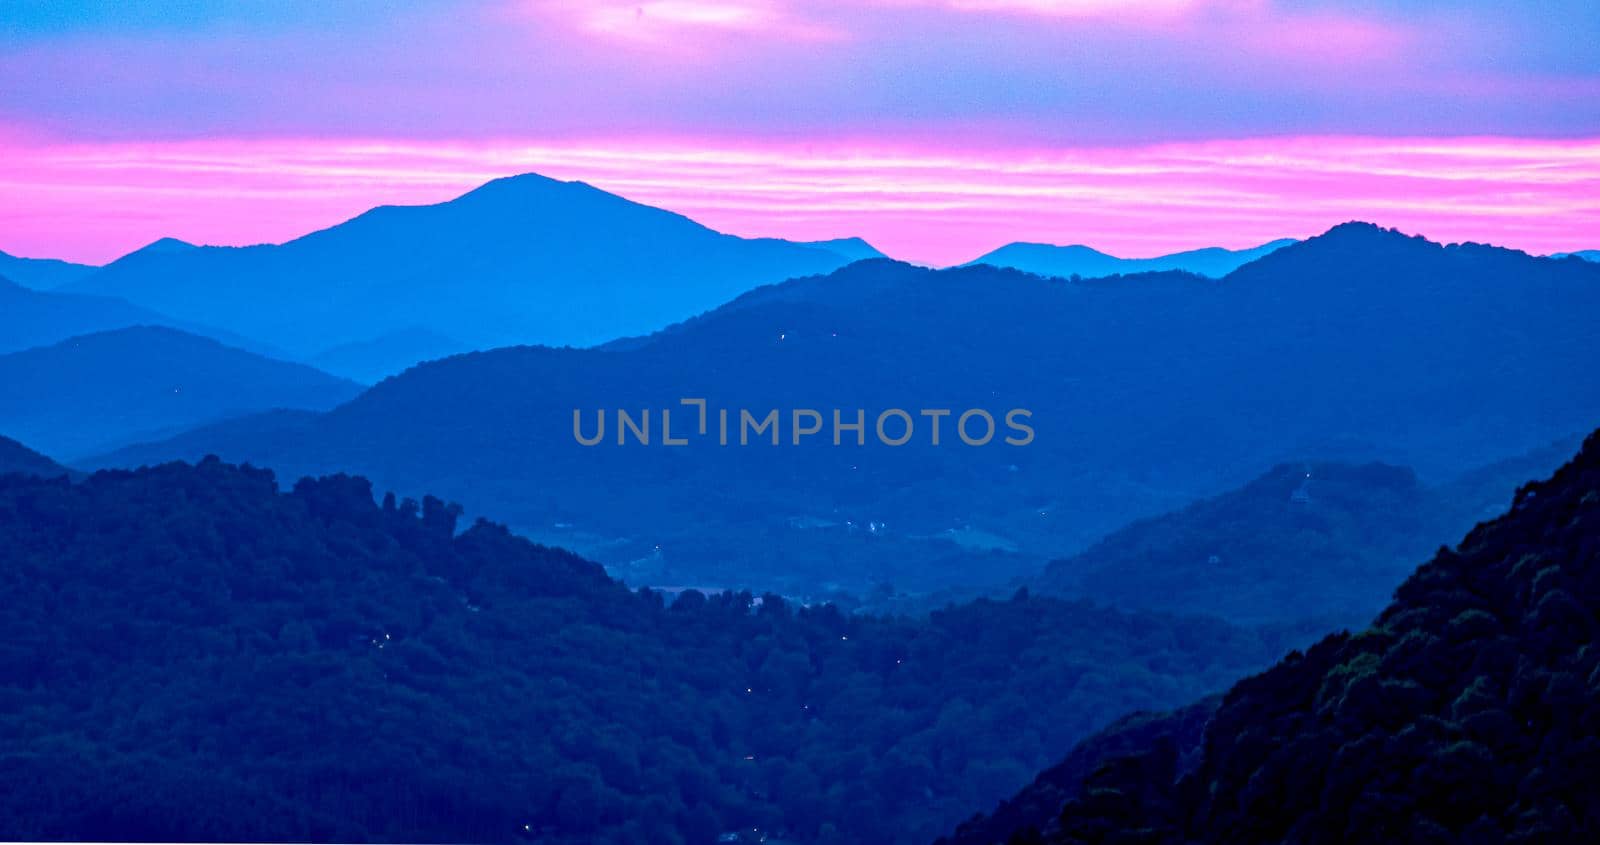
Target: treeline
(193,654)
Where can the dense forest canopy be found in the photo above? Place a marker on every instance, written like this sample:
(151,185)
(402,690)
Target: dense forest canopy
(194,654)
(1466,713)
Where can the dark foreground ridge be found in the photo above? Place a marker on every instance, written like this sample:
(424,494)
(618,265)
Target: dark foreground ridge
(1466,713)
(191,654)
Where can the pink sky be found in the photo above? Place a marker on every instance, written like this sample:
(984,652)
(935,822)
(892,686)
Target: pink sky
(933,202)
(938,129)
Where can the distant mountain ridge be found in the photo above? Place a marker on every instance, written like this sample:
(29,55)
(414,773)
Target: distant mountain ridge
(854,249)
(42,273)
(1147,392)
(524,259)
(31,318)
(1079,260)
(372,361)
(98,391)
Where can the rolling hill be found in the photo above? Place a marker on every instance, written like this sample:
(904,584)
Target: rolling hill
(1463,714)
(194,654)
(1147,392)
(97,391)
(523,259)
(1338,535)
(1305,542)
(1078,260)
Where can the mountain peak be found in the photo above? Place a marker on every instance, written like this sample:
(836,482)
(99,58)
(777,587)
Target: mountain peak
(161,246)
(1361,231)
(525,186)
(166,245)
(854,249)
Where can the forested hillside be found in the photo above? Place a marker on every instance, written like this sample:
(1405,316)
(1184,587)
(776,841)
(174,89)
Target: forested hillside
(1466,713)
(193,654)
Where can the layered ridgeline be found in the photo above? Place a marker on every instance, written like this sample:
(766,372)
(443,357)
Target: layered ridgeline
(1146,392)
(1464,714)
(30,318)
(193,654)
(41,273)
(1304,542)
(1079,260)
(524,259)
(98,391)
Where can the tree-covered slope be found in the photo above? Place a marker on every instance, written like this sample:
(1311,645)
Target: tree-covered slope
(193,654)
(1324,538)
(1466,713)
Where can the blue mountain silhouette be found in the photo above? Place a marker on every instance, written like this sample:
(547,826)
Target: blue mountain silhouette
(41,273)
(1079,260)
(97,391)
(1148,391)
(524,259)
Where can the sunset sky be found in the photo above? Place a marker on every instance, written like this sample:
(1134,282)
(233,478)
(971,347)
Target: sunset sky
(937,129)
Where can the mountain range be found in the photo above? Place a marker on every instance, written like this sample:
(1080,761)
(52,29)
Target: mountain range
(523,259)
(1087,262)
(1147,392)
(97,391)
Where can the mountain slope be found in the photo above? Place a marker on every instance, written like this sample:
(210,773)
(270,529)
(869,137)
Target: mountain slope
(519,260)
(96,391)
(31,318)
(1146,392)
(853,249)
(17,458)
(192,654)
(41,273)
(1339,532)
(372,361)
(1464,714)
(1330,537)
(1078,260)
